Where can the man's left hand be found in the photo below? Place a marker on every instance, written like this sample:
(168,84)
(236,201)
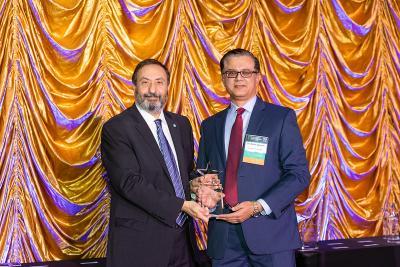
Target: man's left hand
(241,212)
(208,197)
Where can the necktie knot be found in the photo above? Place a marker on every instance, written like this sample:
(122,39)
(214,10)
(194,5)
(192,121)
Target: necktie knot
(158,123)
(240,111)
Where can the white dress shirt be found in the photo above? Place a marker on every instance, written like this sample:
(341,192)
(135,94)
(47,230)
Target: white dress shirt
(149,119)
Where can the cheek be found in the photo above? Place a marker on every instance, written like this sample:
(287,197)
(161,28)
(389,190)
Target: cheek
(224,82)
(139,92)
(228,84)
(162,91)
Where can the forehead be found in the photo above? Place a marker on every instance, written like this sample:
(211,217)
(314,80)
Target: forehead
(239,62)
(152,71)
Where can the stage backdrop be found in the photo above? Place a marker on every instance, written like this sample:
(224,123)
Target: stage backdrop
(65,69)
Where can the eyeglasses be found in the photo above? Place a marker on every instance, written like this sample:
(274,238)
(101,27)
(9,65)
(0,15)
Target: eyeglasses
(243,73)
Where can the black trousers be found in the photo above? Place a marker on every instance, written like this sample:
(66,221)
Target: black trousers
(182,254)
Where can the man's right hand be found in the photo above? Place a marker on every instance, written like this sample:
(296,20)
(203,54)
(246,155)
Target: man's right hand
(196,211)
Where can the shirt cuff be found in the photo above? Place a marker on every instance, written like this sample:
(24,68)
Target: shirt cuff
(266,209)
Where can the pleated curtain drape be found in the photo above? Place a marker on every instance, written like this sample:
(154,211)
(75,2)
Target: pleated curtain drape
(65,69)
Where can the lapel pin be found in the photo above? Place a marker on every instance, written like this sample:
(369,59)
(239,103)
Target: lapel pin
(174,125)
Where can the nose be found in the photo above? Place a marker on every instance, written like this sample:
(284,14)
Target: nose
(152,88)
(239,77)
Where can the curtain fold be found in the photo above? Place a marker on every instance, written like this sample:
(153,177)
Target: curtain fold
(66,66)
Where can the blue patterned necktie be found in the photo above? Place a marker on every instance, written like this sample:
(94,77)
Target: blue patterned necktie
(169,159)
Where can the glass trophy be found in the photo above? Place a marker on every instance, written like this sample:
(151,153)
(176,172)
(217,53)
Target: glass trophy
(216,190)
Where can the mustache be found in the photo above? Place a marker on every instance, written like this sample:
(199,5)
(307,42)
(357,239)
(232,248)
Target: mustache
(151,95)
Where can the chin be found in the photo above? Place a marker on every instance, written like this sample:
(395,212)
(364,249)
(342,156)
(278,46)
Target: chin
(239,96)
(153,103)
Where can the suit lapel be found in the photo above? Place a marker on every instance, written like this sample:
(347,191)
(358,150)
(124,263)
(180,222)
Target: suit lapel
(220,136)
(257,117)
(176,138)
(147,136)
(176,134)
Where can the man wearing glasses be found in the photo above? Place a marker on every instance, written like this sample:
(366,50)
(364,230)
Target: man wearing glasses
(259,149)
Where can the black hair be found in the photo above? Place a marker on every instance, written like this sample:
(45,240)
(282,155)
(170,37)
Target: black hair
(239,52)
(149,61)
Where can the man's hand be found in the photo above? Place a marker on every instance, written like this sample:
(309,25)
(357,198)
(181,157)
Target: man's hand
(241,212)
(208,197)
(196,211)
(210,180)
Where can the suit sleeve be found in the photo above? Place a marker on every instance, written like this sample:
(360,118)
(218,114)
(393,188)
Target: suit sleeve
(123,170)
(295,175)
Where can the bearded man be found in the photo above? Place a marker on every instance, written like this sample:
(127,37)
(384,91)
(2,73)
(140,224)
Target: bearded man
(148,155)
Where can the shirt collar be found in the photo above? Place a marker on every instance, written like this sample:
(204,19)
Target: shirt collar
(149,118)
(249,106)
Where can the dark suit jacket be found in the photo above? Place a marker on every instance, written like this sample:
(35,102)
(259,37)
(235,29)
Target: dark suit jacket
(143,202)
(284,175)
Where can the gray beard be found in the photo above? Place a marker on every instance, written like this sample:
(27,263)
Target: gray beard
(150,107)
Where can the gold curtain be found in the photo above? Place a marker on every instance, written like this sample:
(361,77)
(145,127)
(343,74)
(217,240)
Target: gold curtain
(65,68)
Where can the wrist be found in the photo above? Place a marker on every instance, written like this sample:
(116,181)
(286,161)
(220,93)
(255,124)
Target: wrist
(185,206)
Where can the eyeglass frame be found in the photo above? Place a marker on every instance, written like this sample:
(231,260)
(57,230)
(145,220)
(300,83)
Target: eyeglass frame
(225,74)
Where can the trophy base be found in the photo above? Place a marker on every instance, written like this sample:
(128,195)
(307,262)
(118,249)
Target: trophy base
(217,212)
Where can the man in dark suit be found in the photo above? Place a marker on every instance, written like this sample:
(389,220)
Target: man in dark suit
(259,149)
(148,155)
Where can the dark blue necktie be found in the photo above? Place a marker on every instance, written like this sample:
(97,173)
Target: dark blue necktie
(172,167)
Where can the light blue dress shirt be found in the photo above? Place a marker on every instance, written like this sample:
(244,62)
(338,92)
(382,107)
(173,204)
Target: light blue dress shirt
(230,120)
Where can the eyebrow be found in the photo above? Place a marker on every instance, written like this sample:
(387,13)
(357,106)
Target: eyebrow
(156,79)
(237,70)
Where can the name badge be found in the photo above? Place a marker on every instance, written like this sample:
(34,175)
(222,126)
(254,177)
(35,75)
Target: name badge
(255,149)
